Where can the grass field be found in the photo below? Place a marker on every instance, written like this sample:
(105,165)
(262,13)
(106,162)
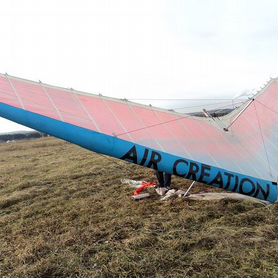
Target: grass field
(64,212)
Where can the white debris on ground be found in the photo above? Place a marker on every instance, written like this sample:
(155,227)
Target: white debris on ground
(207,196)
(161,191)
(202,196)
(132,183)
(140,196)
(170,193)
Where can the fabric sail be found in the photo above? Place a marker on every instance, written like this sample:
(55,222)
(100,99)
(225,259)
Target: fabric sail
(238,152)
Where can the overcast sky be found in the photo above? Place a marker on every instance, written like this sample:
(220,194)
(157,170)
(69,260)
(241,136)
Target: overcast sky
(141,48)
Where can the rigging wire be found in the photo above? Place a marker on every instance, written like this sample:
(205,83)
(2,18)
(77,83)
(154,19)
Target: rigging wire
(267,107)
(235,106)
(262,137)
(209,104)
(157,124)
(150,126)
(174,99)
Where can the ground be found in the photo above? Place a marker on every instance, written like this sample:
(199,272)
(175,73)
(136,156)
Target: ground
(64,212)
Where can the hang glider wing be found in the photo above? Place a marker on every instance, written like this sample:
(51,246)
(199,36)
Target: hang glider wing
(239,155)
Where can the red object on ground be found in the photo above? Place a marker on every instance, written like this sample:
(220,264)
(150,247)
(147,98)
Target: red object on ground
(144,186)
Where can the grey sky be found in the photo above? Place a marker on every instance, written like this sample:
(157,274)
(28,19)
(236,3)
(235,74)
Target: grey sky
(144,48)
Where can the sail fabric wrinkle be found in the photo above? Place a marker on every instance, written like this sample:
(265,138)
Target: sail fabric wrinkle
(248,147)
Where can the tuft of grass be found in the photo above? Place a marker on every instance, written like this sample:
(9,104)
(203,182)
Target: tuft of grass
(64,212)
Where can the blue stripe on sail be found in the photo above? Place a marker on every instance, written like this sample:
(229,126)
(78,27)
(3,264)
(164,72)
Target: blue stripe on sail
(144,156)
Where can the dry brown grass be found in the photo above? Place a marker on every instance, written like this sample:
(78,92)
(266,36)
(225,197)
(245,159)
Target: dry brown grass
(64,212)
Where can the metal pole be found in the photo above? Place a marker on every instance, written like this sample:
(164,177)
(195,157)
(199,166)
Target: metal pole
(247,105)
(184,195)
